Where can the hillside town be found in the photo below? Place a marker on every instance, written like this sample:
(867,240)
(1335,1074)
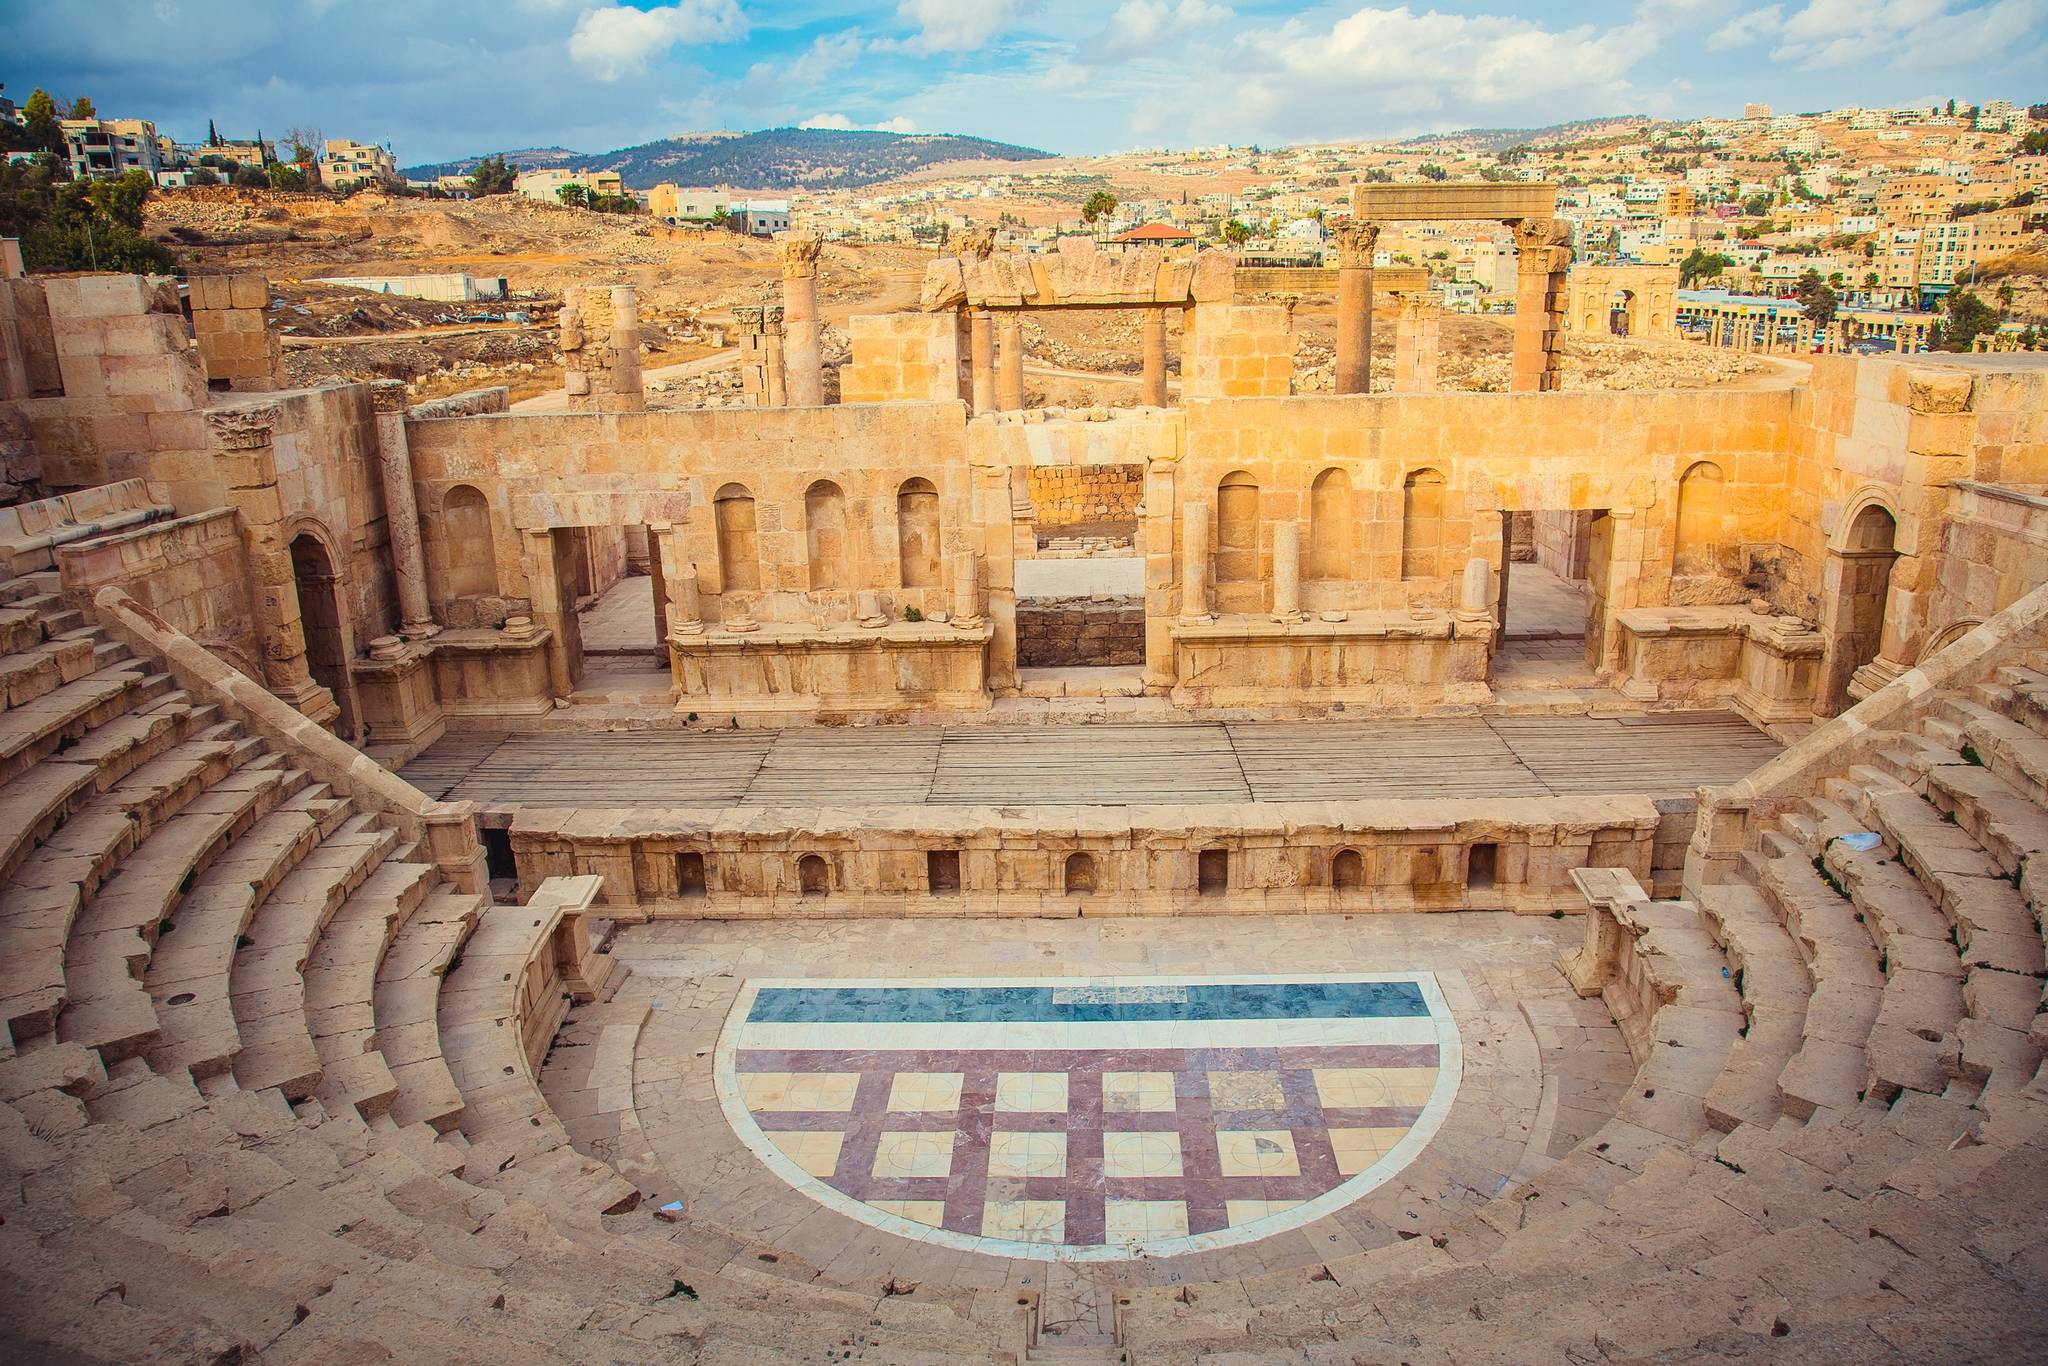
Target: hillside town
(1869,220)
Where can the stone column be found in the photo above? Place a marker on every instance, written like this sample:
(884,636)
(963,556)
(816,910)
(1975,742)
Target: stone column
(966,606)
(775,359)
(1152,329)
(1287,572)
(981,347)
(1541,259)
(1355,243)
(1415,348)
(544,591)
(628,395)
(1194,562)
(247,464)
(401,510)
(1010,362)
(803,353)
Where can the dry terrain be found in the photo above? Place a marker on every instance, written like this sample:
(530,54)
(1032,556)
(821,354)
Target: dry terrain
(689,281)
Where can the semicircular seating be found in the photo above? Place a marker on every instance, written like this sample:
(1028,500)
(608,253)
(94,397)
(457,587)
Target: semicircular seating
(269,1091)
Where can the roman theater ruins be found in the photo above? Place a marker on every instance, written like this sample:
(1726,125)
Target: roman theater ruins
(1368,876)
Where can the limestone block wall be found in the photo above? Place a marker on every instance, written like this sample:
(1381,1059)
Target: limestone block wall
(1393,493)
(1064,496)
(191,571)
(28,348)
(914,356)
(131,388)
(786,513)
(1056,633)
(1994,551)
(1239,351)
(1502,854)
(237,350)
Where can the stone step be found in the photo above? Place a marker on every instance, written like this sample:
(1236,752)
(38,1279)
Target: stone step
(1829,1071)
(106,956)
(267,982)
(341,979)
(189,974)
(1986,915)
(2007,826)
(408,1007)
(2029,689)
(1774,988)
(36,732)
(2016,754)
(42,669)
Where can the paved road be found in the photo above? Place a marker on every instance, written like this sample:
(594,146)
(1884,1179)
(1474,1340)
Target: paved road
(1108,765)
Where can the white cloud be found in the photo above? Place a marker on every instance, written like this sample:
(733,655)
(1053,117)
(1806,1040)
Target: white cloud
(1143,26)
(1919,33)
(956,25)
(899,124)
(1396,62)
(620,41)
(1750,27)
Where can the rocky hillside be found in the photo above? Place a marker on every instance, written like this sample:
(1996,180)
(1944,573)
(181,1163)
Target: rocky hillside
(773,159)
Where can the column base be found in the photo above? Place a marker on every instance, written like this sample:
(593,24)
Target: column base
(310,700)
(418,630)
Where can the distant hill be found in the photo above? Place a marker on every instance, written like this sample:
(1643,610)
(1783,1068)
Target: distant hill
(527,159)
(1500,139)
(773,159)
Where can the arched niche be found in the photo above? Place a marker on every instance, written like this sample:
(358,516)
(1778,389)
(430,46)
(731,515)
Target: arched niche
(1237,528)
(917,533)
(825,534)
(739,556)
(469,552)
(1422,525)
(1330,526)
(1699,538)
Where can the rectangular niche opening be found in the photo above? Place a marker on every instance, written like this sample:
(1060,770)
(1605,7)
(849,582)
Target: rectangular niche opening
(942,871)
(1212,872)
(1481,864)
(689,875)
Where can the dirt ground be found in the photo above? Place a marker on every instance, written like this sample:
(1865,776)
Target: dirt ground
(689,281)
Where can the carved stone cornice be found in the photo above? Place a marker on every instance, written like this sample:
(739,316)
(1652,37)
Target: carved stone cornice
(1355,243)
(245,428)
(388,395)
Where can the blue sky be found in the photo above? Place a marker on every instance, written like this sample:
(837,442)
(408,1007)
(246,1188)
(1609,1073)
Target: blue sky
(442,78)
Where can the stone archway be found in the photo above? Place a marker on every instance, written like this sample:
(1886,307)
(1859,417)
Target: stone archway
(1855,590)
(323,618)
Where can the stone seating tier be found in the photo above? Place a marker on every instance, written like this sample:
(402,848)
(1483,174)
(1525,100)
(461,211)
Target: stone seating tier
(151,1213)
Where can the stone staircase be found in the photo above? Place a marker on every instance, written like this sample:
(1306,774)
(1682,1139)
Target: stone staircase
(263,1083)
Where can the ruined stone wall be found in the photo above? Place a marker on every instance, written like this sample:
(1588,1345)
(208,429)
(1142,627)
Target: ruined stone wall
(1059,633)
(1492,452)
(906,356)
(237,349)
(1085,496)
(1239,351)
(190,571)
(1994,550)
(851,465)
(131,387)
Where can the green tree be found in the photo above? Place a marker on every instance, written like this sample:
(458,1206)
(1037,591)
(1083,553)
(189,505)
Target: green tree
(39,122)
(1870,279)
(1968,317)
(1817,301)
(2035,142)
(212,134)
(203,175)
(575,196)
(1758,204)
(1235,233)
(1098,205)
(285,175)
(1379,175)
(250,178)
(492,176)
(81,108)
(1429,170)
(73,225)
(1701,265)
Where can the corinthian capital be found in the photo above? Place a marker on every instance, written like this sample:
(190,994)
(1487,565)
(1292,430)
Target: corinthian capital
(799,256)
(1355,243)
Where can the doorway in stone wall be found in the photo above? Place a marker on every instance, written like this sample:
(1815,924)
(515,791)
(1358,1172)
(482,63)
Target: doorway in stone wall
(1856,588)
(1081,593)
(1551,589)
(619,594)
(322,618)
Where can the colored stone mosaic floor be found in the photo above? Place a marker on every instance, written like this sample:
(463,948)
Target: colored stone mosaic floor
(1094,1118)
(1536,1070)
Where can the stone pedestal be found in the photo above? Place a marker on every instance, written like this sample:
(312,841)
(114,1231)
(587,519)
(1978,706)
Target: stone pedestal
(966,607)
(982,359)
(1355,245)
(399,709)
(1010,362)
(1287,572)
(1194,562)
(1152,331)
(802,353)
